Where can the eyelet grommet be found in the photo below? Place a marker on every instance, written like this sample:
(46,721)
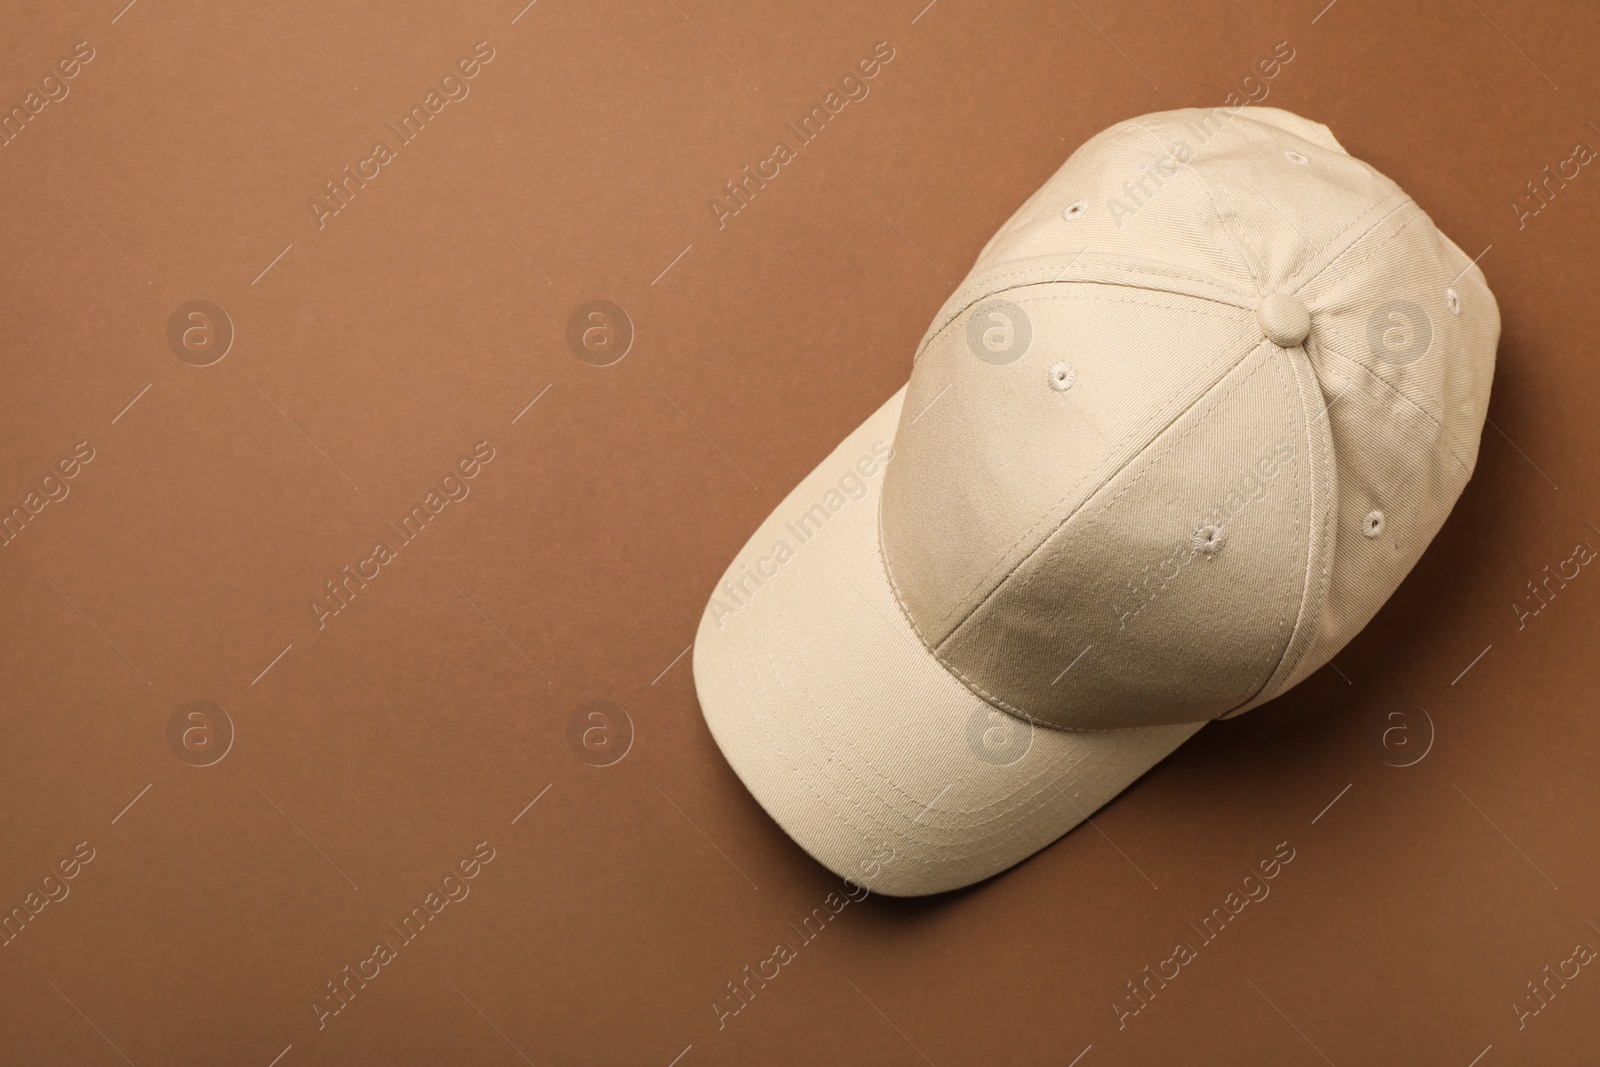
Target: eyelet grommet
(1207,540)
(1452,300)
(1372,525)
(1296,158)
(1062,375)
(1074,209)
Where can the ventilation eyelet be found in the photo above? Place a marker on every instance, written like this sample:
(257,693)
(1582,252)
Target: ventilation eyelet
(1208,539)
(1372,525)
(1062,375)
(1296,158)
(1074,209)
(1452,300)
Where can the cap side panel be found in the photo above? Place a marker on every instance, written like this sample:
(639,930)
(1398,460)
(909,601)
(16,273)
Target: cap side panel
(1289,219)
(1289,122)
(1172,594)
(1251,263)
(1322,533)
(991,458)
(1088,268)
(1386,301)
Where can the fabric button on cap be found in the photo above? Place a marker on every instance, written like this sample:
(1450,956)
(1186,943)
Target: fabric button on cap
(1284,319)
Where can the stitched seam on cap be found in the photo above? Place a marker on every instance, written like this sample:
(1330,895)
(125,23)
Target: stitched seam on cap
(1205,187)
(1050,512)
(1382,208)
(1216,404)
(805,772)
(1323,443)
(989,285)
(1404,200)
(1440,431)
(989,698)
(1133,433)
(1374,249)
(1226,222)
(1294,393)
(1369,371)
(799,767)
(1378,213)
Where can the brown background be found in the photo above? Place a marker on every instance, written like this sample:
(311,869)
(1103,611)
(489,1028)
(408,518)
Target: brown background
(378,751)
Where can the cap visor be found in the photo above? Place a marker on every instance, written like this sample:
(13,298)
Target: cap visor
(863,747)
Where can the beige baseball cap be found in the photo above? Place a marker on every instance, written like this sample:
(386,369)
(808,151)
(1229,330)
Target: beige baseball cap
(1194,413)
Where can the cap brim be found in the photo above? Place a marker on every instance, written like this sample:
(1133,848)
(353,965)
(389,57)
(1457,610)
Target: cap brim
(861,745)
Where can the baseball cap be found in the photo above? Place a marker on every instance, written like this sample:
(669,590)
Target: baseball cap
(1190,419)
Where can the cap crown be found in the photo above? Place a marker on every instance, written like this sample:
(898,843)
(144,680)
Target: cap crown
(1116,500)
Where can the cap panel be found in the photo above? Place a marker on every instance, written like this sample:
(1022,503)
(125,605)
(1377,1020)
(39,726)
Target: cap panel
(868,752)
(1252,199)
(1387,304)
(1289,122)
(1173,593)
(992,458)
(1288,204)
(1124,194)
(1403,341)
